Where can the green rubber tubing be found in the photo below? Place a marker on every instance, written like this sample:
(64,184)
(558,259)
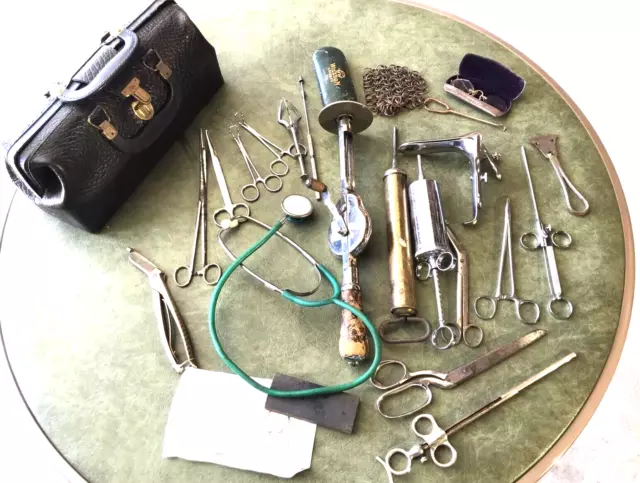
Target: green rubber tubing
(335,299)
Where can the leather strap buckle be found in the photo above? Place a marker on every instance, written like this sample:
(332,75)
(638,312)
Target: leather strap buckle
(151,60)
(100,120)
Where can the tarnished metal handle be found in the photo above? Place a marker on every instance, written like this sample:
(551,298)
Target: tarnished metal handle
(353,345)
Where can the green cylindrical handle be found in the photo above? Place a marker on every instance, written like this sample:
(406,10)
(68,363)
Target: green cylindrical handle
(334,79)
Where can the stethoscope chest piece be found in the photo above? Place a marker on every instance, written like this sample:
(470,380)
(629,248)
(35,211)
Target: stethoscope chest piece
(297,208)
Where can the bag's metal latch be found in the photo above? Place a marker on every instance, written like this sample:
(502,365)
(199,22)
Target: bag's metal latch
(142,107)
(100,120)
(154,62)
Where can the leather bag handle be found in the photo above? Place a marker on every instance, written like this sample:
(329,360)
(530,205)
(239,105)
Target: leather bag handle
(113,67)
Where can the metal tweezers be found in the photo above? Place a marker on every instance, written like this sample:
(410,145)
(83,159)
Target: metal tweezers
(166,313)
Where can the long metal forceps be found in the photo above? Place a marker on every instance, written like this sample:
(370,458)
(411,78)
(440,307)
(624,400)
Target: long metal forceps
(424,379)
(230,210)
(276,150)
(200,233)
(546,238)
(491,301)
(166,313)
(549,148)
(289,118)
(253,172)
(437,437)
(462,294)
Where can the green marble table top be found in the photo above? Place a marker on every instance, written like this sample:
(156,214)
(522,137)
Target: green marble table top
(78,320)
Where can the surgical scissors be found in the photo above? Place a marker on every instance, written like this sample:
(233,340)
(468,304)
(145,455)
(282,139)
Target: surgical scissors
(255,175)
(200,232)
(276,150)
(423,379)
(230,209)
(437,437)
(492,300)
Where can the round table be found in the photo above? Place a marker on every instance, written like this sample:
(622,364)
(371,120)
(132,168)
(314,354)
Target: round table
(80,336)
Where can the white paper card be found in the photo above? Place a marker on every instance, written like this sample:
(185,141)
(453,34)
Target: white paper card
(218,418)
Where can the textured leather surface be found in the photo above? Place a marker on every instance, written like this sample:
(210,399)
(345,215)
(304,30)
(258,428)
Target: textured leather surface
(82,177)
(83,339)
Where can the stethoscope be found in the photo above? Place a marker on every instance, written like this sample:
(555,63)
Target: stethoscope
(297,209)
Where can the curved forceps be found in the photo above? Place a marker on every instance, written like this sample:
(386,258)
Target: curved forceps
(276,150)
(506,253)
(200,233)
(423,379)
(230,210)
(255,175)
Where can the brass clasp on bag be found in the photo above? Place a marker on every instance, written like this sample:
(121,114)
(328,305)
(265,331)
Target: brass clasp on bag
(142,107)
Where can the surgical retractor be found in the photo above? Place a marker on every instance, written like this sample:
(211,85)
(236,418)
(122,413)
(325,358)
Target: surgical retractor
(472,147)
(432,249)
(345,116)
(547,238)
(401,266)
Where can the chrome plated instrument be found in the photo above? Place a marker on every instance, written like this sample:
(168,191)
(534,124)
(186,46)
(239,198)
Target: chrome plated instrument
(471,334)
(472,147)
(229,210)
(437,437)
(491,301)
(166,312)
(424,379)
(289,118)
(200,233)
(546,239)
(447,110)
(432,250)
(276,150)
(548,146)
(342,114)
(401,266)
(311,152)
(275,180)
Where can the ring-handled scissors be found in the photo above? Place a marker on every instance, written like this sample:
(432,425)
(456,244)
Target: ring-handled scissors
(229,210)
(491,301)
(437,437)
(546,238)
(200,233)
(272,183)
(276,150)
(423,379)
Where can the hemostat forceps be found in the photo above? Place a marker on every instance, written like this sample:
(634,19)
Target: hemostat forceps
(423,379)
(492,300)
(166,313)
(277,151)
(200,232)
(546,238)
(230,210)
(437,437)
(276,181)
